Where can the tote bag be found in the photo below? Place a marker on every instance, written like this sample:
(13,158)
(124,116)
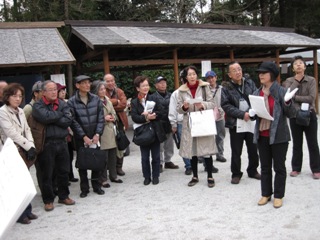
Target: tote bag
(91,158)
(202,123)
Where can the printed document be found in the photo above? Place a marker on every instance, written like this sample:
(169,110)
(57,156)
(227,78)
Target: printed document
(258,105)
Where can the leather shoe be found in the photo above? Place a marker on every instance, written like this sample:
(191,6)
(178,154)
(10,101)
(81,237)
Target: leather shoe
(26,220)
(170,165)
(221,159)
(277,203)
(155,181)
(316,175)
(235,180)
(84,194)
(294,174)
(211,183)
(147,181)
(73,180)
(116,180)
(32,216)
(193,182)
(99,191)
(105,185)
(256,176)
(48,207)
(67,201)
(188,171)
(264,201)
(120,172)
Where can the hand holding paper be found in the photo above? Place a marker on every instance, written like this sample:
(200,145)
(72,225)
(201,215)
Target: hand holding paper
(252,112)
(289,95)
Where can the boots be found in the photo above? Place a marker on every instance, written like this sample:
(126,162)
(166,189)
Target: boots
(120,172)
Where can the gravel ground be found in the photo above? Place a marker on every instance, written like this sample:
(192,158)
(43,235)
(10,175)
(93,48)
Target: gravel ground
(172,210)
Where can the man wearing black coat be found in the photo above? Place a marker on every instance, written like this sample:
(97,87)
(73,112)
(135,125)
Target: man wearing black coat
(56,115)
(235,103)
(87,127)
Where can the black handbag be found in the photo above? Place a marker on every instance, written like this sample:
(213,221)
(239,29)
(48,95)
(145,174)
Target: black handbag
(303,118)
(144,135)
(122,140)
(91,158)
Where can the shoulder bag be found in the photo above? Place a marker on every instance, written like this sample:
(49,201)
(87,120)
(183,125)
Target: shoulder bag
(121,139)
(144,135)
(91,158)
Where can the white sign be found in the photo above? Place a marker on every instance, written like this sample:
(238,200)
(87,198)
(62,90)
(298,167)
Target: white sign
(58,78)
(16,187)
(205,67)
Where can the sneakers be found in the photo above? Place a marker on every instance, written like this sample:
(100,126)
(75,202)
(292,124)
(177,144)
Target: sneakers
(170,165)
(48,207)
(188,171)
(316,175)
(277,203)
(67,201)
(264,201)
(294,174)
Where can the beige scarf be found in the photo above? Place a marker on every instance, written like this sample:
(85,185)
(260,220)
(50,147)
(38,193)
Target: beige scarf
(264,123)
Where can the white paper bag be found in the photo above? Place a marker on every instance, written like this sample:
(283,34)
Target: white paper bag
(202,123)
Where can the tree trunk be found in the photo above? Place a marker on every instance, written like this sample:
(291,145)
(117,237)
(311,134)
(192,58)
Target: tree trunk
(282,12)
(66,9)
(264,13)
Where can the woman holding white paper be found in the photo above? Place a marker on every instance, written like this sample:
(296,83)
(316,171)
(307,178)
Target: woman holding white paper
(13,124)
(194,147)
(272,136)
(305,96)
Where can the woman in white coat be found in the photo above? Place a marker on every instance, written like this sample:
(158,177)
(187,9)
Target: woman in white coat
(194,147)
(13,124)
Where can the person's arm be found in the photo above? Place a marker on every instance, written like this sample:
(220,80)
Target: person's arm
(135,113)
(173,114)
(312,93)
(229,107)
(42,114)
(119,103)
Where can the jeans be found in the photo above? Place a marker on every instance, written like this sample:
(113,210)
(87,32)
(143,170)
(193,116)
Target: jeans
(154,148)
(311,132)
(187,163)
(275,155)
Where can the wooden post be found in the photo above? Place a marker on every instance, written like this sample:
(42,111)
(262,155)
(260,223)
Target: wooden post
(69,80)
(278,64)
(56,69)
(231,53)
(106,62)
(175,68)
(315,69)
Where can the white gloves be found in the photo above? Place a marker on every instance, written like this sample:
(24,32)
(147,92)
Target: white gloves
(252,112)
(289,94)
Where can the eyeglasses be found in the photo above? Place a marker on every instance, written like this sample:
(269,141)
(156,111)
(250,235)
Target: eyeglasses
(51,90)
(236,70)
(17,96)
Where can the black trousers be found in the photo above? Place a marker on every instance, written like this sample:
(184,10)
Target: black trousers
(272,154)
(194,165)
(236,142)
(311,132)
(54,160)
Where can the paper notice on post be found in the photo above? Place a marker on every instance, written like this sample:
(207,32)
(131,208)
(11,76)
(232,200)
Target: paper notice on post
(16,187)
(258,105)
(243,126)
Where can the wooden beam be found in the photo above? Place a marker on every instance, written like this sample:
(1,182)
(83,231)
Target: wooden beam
(176,68)
(11,25)
(315,69)
(106,63)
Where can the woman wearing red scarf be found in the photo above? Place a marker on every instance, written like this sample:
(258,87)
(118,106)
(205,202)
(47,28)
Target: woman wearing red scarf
(194,147)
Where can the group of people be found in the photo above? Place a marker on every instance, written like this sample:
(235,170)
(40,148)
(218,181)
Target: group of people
(89,116)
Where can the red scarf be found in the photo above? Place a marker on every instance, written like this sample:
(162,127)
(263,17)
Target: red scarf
(55,103)
(141,96)
(193,88)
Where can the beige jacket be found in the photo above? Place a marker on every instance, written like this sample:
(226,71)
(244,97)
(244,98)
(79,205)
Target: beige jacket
(307,90)
(197,146)
(11,127)
(108,138)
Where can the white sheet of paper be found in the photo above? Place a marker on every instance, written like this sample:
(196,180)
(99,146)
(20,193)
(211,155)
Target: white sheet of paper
(149,106)
(257,104)
(16,186)
(243,126)
(194,100)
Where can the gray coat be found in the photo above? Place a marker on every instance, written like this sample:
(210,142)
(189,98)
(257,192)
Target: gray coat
(202,146)
(279,130)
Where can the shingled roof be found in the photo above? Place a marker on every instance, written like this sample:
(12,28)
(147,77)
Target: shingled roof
(32,44)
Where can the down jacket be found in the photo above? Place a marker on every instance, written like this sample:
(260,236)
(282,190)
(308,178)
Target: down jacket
(279,130)
(230,100)
(88,119)
(203,146)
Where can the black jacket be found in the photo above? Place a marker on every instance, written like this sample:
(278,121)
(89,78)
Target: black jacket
(88,119)
(230,97)
(57,122)
(136,110)
(164,101)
